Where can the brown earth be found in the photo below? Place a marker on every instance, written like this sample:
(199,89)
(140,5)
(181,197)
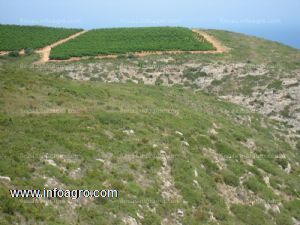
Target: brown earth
(217,44)
(45,52)
(4,53)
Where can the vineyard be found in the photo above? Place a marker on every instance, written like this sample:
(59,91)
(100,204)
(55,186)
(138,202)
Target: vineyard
(128,40)
(13,37)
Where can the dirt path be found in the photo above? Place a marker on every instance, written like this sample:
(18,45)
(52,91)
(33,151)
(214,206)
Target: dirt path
(4,53)
(45,52)
(218,45)
(220,48)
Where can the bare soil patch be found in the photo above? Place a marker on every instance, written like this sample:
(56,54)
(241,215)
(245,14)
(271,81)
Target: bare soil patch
(4,53)
(45,52)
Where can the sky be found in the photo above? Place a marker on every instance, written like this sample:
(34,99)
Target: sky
(277,20)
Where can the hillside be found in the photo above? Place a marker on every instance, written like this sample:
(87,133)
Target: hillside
(261,75)
(161,129)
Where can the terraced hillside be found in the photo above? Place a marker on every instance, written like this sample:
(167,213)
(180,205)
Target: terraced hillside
(13,37)
(130,40)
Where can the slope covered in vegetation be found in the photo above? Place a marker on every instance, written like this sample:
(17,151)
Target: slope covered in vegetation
(261,75)
(176,155)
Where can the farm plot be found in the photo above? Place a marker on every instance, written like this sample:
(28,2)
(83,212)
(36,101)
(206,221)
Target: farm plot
(14,37)
(131,40)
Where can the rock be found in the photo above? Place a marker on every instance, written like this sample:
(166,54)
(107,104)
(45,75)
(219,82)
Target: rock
(215,126)
(139,216)
(212,217)
(275,208)
(5,178)
(128,220)
(196,173)
(289,82)
(168,189)
(212,131)
(162,152)
(75,173)
(179,133)
(185,143)
(113,215)
(128,132)
(267,181)
(249,143)
(180,213)
(295,221)
(154,146)
(101,160)
(196,183)
(52,183)
(50,162)
(288,168)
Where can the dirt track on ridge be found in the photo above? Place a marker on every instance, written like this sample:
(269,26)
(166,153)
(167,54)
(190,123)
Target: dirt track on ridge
(45,52)
(218,45)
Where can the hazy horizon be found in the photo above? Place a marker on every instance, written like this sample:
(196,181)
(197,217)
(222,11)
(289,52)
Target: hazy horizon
(275,20)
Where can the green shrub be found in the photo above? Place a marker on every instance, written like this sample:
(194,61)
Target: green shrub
(283,219)
(121,56)
(152,219)
(259,188)
(277,84)
(193,73)
(29,51)
(201,214)
(159,82)
(14,53)
(110,118)
(131,56)
(276,182)
(282,162)
(230,178)
(220,212)
(286,111)
(253,184)
(294,208)
(224,149)
(251,215)
(209,165)
(216,82)
(8,205)
(266,165)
